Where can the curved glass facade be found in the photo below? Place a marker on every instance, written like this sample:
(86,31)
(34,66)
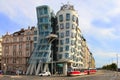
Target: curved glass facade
(42,48)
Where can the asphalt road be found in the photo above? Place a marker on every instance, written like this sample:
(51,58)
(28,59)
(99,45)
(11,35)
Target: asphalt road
(100,75)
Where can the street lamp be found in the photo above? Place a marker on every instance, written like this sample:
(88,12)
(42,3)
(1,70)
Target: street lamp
(4,68)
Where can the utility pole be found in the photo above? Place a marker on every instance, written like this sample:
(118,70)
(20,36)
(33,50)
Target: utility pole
(117,63)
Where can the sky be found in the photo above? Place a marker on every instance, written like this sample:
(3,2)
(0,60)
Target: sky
(99,21)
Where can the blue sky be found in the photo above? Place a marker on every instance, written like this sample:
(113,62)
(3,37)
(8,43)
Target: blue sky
(99,22)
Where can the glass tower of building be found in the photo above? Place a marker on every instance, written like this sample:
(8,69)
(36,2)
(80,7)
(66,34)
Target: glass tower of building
(41,56)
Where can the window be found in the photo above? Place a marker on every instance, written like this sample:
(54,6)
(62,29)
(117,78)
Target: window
(44,27)
(61,26)
(35,32)
(67,48)
(40,11)
(45,54)
(61,42)
(74,58)
(41,40)
(20,61)
(14,46)
(57,34)
(57,28)
(72,50)
(14,39)
(41,33)
(20,53)
(41,19)
(28,38)
(79,35)
(45,10)
(22,33)
(43,47)
(62,35)
(77,21)
(73,35)
(45,41)
(28,33)
(72,42)
(35,38)
(59,56)
(6,47)
(60,18)
(46,33)
(61,49)
(71,57)
(45,19)
(40,54)
(67,25)
(7,40)
(14,60)
(73,18)
(67,40)
(27,45)
(35,45)
(66,55)
(20,39)
(47,47)
(14,53)
(67,33)
(73,26)
(20,46)
(67,17)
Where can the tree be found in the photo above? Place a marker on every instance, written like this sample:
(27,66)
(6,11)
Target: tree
(112,66)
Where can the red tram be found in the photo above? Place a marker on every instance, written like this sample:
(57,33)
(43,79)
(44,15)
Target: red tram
(77,71)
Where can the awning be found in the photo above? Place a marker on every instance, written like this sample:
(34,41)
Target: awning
(60,65)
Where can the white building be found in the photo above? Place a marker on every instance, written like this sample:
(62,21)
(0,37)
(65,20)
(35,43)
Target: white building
(69,48)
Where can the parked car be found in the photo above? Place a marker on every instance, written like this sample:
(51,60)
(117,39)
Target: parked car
(45,74)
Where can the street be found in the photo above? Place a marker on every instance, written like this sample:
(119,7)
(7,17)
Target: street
(100,75)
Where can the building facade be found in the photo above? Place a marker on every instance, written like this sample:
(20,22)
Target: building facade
(58,42)
(17,49)
(70,50)
(92,61)
(43,37)
(0,51)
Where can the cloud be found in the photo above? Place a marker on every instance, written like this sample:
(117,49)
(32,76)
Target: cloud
(90,11)
(103,54)
(103,57)
(20,10)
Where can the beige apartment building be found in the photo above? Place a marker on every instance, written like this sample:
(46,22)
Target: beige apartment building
(17,49)
(92,62)
(89,61)
(0,51)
